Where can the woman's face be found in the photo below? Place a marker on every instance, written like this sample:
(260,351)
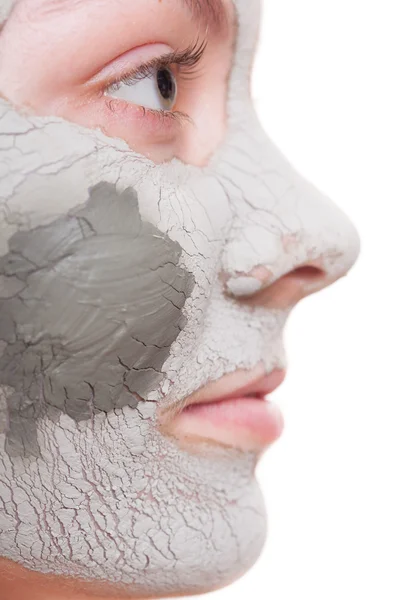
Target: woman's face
(153,241)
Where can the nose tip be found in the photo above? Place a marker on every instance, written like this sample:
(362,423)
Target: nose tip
(259,288)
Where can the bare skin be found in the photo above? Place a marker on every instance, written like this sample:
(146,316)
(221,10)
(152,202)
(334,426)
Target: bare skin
(28,79)
(52,88)
(156,74)
(18,583)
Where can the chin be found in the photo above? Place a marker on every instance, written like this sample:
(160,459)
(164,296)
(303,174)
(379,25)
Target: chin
(206,562)
(216,561)
(174,523)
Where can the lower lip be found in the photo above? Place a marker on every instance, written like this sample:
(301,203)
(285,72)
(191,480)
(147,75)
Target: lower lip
(247,423)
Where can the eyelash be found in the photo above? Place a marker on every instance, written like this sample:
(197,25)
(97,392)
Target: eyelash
(187,60)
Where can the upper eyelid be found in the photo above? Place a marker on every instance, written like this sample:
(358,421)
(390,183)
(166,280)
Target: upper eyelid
(188,57)
(143,71)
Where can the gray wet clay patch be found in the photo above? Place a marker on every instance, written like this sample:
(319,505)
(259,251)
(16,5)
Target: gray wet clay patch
(110,497)
(89,308)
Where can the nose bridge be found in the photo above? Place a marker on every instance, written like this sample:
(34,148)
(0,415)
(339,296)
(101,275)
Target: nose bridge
(282,222)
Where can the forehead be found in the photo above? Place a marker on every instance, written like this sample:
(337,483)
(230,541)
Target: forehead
(213,13)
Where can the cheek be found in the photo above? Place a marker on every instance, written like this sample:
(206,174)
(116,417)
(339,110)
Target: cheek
(209,115)
(99,306)
(145,132)
(207,107)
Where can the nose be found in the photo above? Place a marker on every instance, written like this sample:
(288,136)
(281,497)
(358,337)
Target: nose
(288,240)
(260,288)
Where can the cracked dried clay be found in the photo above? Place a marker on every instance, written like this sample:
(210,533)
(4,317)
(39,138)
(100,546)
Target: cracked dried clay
(111,303)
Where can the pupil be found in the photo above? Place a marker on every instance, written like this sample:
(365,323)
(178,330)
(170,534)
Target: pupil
(166,84)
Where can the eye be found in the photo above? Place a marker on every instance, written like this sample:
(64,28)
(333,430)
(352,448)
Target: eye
(156,90)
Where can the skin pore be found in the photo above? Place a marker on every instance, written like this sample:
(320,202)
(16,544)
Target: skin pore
(153,241)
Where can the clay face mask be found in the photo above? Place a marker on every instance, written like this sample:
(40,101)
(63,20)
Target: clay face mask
(126,285)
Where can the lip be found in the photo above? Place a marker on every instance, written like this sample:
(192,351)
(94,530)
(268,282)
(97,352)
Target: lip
(234,410)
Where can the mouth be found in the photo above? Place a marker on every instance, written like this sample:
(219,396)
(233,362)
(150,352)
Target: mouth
(234,411)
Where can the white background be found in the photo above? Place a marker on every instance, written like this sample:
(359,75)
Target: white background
(327,87)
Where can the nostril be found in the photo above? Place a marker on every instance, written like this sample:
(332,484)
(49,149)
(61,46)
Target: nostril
(307,272)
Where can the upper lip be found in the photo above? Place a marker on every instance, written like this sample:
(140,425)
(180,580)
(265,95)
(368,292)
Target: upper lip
(255,383)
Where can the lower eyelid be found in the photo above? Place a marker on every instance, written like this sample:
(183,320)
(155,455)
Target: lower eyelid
(177,116)
(158,122)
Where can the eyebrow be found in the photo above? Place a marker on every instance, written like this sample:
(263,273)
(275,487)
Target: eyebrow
(211,12)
